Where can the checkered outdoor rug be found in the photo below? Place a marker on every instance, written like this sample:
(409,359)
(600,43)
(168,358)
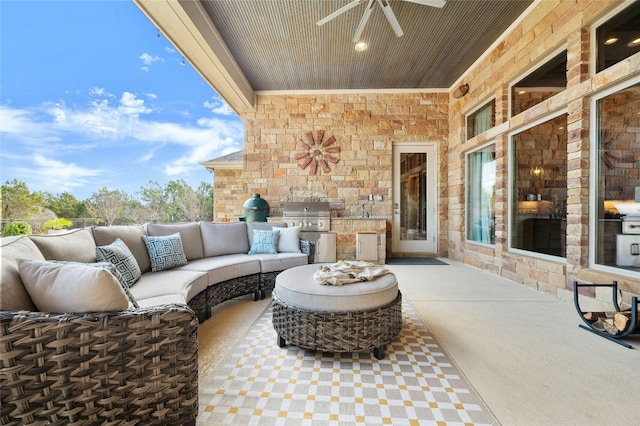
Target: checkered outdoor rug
(415,384)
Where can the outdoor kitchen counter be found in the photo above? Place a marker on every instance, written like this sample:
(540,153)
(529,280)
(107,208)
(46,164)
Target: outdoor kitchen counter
(348,226)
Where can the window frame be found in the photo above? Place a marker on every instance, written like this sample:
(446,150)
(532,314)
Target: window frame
(475,110)
(594,168)
(530,70)
(510,183)
(593,36)
(467,180)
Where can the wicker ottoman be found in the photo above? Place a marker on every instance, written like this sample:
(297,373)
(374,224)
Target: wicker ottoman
(354,317)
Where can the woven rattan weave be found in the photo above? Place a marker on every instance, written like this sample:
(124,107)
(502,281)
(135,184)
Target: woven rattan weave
(355,331)
(130,367)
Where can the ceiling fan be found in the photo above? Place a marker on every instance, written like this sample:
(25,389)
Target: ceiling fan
(386,8)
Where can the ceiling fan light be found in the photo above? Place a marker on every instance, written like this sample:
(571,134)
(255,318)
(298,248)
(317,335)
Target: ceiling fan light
(361,46)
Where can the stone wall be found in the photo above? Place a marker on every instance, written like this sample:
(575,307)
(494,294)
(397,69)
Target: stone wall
(549,28)
(364,126)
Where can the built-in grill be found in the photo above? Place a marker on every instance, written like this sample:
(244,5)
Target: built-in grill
(314,219)
(311,216)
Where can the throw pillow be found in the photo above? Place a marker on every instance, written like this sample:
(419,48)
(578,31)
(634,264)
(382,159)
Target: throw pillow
(264,242)
(60,288)
(111,268)
(289,240)
(165,252)
(121,257)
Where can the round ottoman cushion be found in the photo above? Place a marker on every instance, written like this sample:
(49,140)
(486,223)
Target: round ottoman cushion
(296,287)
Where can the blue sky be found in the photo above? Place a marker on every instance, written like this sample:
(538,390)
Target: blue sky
(90,97)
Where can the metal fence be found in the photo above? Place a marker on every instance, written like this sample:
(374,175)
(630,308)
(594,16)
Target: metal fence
(37,225)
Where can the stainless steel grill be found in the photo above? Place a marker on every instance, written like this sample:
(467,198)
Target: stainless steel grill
(314,219)
(311,216)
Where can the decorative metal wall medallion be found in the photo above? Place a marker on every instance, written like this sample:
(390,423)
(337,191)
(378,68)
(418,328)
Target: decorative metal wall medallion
(317,152)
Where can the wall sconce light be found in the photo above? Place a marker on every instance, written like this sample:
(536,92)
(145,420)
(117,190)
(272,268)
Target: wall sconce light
(462,90)
(536,171)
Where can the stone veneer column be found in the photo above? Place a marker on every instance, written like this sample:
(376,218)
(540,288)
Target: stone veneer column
(578,153)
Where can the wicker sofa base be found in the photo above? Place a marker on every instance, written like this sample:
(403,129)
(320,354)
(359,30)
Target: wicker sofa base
(355,331)
(199,305)
(230,289)
(136,367)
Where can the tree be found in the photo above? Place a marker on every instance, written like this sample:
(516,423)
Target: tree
(205,192)
(107,206)
(64,205)
(173,191)
(152,198)
(136,213)
(17,202)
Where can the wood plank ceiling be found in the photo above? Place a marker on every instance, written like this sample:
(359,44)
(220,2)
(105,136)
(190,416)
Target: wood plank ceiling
(278,45)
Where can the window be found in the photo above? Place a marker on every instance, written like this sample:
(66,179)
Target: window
(481,195)
(540,85)
(481,120)
(617,182)
(539,191)
(618,38)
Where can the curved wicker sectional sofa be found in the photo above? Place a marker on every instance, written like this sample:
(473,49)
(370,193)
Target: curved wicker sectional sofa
(138,365)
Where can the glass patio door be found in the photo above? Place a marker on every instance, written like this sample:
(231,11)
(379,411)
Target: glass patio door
(414,201)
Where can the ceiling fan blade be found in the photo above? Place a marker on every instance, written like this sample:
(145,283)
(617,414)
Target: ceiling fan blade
(338,12)
(433,3)
(363,21)
(391,17)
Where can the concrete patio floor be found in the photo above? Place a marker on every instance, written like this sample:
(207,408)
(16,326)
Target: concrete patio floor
(520,349)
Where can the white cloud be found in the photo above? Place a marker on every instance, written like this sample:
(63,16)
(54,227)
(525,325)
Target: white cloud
(148,60)
(47,174)
(53,144)
(218,106)
(131,105)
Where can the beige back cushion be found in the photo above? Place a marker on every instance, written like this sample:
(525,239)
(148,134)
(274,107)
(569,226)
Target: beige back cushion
(189,233)
(224,238)
(74,246)
(13,294)
(131,235)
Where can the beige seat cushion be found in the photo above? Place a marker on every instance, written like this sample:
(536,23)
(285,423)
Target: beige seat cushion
(164,283)
(280,261)
(297,288)
(223,268)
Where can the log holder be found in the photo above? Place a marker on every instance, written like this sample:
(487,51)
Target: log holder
(633,326)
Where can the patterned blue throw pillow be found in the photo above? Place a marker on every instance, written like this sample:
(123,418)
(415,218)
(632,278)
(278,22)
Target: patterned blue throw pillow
(121,257)
(165,252)
(264,242)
